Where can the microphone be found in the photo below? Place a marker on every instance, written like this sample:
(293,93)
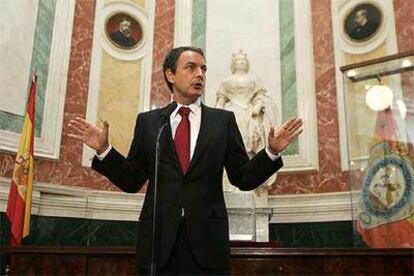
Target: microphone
(165,114)
(164,119)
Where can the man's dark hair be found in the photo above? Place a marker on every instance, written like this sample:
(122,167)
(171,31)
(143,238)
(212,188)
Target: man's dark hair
(170,61)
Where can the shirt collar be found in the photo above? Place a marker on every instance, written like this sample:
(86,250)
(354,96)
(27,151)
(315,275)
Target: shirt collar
(194,107)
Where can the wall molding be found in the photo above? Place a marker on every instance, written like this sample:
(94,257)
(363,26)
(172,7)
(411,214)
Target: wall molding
(183,22)
(48,145)
(308,157)
(54,200)
(312,207)
(76,202)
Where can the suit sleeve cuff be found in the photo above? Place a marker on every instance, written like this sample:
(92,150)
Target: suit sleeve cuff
(103,154)
(272,156)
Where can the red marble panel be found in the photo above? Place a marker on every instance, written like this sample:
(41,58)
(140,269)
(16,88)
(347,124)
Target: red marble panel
(163,43)
(404,17)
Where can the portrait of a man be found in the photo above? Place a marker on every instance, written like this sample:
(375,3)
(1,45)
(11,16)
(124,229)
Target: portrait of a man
(123,31)
(363,22)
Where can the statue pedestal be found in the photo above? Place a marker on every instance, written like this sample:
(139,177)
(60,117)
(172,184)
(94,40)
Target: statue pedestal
(248,215)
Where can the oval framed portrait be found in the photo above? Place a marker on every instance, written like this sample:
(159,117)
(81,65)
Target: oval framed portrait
(123,31)
(363,22)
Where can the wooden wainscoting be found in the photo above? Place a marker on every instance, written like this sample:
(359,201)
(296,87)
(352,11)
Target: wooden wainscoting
(247,259)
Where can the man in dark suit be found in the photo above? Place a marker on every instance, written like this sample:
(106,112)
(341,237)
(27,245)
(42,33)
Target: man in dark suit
(196,144)
(123,36)
(364,26)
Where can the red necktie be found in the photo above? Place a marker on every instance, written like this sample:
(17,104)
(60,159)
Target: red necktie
(182,139)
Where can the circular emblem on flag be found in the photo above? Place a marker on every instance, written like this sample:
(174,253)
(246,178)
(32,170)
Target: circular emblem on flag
(21,171)
(388,187)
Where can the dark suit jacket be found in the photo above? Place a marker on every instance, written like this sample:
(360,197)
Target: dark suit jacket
(199,192)
(364,32)
(122,39)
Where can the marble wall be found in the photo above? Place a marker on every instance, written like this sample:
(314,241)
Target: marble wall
(330,178)
(163,42)
(404,11)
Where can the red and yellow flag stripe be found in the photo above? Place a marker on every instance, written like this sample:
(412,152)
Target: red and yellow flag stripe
(20,197)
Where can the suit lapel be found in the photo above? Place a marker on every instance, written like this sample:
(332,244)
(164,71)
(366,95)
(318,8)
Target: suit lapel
(203,135)
(169,149)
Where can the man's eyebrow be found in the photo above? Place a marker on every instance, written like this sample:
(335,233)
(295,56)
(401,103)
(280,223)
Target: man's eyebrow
(204,66)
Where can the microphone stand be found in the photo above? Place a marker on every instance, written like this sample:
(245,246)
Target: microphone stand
(164,123)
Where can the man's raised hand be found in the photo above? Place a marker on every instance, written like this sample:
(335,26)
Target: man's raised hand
(94,137)
(280,138)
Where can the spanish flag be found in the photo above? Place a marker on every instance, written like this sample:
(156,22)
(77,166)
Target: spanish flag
(20,196)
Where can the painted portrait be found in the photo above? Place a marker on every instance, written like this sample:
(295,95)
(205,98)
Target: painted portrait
(363,22)
(123,31)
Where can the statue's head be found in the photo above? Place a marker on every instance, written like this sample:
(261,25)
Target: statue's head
(239,62)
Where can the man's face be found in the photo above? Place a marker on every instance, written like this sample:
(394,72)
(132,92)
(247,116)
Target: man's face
(189,78)
(125,27)
(360,17)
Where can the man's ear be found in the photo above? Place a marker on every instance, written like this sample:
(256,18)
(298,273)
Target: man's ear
(170,75)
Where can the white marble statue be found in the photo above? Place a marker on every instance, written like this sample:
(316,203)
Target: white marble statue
(255,112)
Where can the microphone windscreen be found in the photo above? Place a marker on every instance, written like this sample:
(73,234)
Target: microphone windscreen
(165,115)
